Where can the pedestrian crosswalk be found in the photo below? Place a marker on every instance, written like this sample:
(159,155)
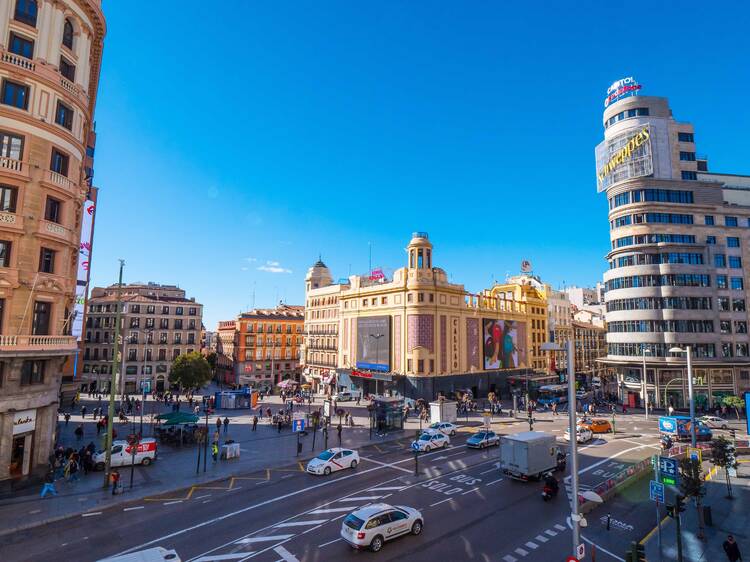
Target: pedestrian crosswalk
(531,545)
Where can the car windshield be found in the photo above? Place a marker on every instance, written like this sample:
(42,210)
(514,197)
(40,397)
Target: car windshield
(325,455)
(481,435)
(425,437)
(353,522)
(435,425)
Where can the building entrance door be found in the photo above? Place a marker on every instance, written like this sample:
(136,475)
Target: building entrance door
(20,455)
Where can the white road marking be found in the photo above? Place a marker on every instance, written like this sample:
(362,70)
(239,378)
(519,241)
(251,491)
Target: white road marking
(494,482)
(134,508)
(360,498)
(91,514)
(541,538)
(551,533)
(385,488)
(593,466)
(440,458)
(35,511)
(312,529)
(251,540)
(201,497)
(441,501)
(596,545)
(494,468)
(234,489)
(329,510)
(330,542)
(509,558)
(559,527)
(285,554)
(339,517)
(470,491)
(388,464)
(531,545)
(218,557)
(171,503)
(521,551)
(205,501)
(301,523)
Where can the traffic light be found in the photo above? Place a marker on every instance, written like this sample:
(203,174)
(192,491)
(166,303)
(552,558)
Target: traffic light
(731,454)
(680,504)
(638,552)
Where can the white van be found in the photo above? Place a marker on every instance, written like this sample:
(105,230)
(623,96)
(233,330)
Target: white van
(157,554)
(122,454)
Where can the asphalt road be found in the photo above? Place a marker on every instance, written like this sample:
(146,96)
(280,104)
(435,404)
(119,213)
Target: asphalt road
(471,511)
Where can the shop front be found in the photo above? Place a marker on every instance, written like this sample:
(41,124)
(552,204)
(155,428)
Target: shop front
(22,444)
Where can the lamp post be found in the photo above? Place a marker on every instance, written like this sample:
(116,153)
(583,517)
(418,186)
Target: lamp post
(645,380)
(688,354)
(113,383)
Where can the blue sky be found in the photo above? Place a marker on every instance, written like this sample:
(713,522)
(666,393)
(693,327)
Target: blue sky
(236,144)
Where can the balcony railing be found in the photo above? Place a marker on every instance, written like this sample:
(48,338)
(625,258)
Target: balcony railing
(61,180)
(19,61)
(12,165)
(41,344)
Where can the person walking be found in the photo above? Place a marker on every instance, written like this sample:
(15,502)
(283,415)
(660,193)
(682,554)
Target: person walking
(83,411)
(339,429)
(732,549)
(49,484)
(79,432)
(255,422)
(218,424)
(671,410)
(67,418)
(215,451)
(226,424)
(115,478)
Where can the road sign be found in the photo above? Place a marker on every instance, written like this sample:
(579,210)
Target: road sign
(572,559)
(694,453)
(298,425)
(327,408)
(415,446)
(656,491)
(667,466)
(580,551)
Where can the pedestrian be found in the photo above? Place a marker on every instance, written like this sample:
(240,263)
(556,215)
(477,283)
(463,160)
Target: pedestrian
(215,451)
(554,408)
(216,435)
(218,424)
(67,418)
(226,424)
(83,411)
(732,549)
(49,484)
(279,424)
(72,468)
(338,430)
(115,478)
(671,410)
(359,397)
(255,422)
(79,432)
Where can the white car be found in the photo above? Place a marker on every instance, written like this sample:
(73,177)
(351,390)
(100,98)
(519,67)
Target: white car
(332,460)
(430,440)
(445,427)
(344,396)
(374,524)
(715,423)
(583,435)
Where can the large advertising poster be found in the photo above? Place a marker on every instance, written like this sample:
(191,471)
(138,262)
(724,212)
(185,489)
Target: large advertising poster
(628,155)
(504,344)
(84,264)
(374,343)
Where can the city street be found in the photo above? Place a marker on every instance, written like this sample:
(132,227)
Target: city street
(286,514)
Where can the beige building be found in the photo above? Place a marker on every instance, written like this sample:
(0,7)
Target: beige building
(50,56)
(226,340)
(560,321)
(157,324)
(590,344)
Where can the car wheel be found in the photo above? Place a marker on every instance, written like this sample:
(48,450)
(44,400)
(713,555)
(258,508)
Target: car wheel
(146,461)
(724,426)
(427,449)
(453,433)
(376,544)
(353,465)
(416,528)
(327,470)
(445,444)
(99,466)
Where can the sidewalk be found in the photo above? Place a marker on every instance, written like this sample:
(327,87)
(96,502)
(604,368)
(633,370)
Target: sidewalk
(176,467)
(729,517)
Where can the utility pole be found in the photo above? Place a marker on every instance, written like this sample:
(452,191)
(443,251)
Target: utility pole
(113,383)
(575,518)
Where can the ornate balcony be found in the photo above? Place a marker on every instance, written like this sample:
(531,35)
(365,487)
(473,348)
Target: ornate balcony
(56,232)
(16,168)
(37,345)
(61,182)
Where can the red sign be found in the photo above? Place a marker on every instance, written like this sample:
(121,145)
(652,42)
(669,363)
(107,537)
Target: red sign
(362,374)
(376,274)
(572,559)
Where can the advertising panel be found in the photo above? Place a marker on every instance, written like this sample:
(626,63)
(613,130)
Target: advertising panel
(621,89)
(504,344)
(625,156)
(84,263)
(374,343)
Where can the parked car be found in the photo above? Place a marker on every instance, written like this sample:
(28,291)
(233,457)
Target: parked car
(344,396)
(583,434)
(332,460)
(374,524)
(445,427)
(596,425)
(482,439)
(714,422)
(430,440)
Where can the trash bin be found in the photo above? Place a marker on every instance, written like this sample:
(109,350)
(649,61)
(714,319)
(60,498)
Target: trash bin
(707,518)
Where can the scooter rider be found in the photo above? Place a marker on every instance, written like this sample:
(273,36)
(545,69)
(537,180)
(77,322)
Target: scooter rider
(551,482)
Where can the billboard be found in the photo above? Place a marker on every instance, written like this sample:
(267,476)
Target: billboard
(374,343)
(84,263)
(621,89)
(625,156)
(504,344)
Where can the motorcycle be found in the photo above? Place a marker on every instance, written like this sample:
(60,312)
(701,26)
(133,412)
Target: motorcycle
(550,488)
(666,443)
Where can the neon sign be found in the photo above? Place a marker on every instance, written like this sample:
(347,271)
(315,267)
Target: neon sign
(621,89)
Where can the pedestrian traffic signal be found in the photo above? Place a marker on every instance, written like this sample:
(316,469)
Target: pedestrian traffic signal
(637,552)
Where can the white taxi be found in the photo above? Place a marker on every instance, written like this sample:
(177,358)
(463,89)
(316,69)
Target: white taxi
(583,434)
(445,427)
(430,440)
(332,460)
(374,524)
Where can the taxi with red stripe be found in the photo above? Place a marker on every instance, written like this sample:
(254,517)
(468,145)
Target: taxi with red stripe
(332,460)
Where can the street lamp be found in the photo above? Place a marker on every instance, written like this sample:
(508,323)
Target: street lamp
(645,380)
(575,518)
(688,354)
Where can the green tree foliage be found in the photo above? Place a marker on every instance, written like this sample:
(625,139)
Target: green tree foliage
(211,358)
(734,402)
(723,456)
(692,486)
(190,370)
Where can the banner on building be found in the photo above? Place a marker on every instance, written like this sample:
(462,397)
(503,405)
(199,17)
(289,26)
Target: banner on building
(504,344)
(374,343)
(84,264)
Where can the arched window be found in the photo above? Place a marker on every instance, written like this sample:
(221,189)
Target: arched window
(68,35)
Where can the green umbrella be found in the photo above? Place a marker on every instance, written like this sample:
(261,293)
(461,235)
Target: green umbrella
(178,418)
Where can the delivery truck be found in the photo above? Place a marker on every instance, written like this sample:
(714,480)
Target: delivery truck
(122,454)
(528,455)
(678,428)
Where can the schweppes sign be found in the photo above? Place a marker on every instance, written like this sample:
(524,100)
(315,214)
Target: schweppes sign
(624,154)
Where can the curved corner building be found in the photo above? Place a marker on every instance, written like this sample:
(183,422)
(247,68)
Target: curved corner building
(676,277)
(50,55)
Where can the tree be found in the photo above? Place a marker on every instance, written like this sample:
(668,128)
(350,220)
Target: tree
(190,370)
(734,402)
(723,455)
(211,358)
(692,485)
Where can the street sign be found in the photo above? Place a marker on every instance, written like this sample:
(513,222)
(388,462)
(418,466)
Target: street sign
(694,453)
(298,425)
(580,551)
(656,491)
(327,408)
(667,466)
(572,559)
(669,480)
(415,446)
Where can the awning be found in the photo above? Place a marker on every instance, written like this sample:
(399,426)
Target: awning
(177,418)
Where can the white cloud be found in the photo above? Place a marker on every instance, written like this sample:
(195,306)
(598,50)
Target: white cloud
(273,263)
(251,260)
(273,267)
(244,268)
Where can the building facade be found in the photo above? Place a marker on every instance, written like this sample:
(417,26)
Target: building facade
(559,320)
(157,324)
(267,347)
(226,339)
(679,249)
(590,345)
(50,56)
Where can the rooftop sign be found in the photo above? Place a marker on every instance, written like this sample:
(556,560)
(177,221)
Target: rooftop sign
(623,88)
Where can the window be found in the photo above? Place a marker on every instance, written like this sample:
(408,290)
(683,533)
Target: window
(64,115)
(59,162)
(26,11)
(685,137)
(740,326)
(733,242)
(710,239)
(721,282)
(32,372)
(191,311)
(165,310)
(162,355)
(709,220)
(735,262)
(191,326)
(420,298)
(132,355)
(738,305)
(686,175)
(8,197)
(164,323)
(67,69)
(737,283)
(730,221)
(687,156)
(720,260)
(723,304)
(420,365)
(40,320)
(67,38)
(15,94)
(21,46)
(175,354)
(178,324)
(47,260)
(725,326)
(52,210)
(178,311)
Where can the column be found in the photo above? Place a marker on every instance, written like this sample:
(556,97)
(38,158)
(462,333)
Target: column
(84,60)
(43,24)
(55,36)
(4,19)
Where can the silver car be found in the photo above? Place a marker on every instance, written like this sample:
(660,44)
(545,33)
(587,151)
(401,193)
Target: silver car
(374,524)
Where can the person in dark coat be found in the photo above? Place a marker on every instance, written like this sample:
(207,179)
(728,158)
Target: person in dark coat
(732,549)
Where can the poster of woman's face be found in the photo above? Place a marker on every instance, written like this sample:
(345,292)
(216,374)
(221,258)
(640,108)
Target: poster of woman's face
(501,344)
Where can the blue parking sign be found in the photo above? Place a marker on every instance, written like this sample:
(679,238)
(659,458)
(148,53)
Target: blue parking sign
(298,425)
(668,466)
(656,491)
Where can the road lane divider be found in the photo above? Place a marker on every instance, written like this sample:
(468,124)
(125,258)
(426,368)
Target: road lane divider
(251,540)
